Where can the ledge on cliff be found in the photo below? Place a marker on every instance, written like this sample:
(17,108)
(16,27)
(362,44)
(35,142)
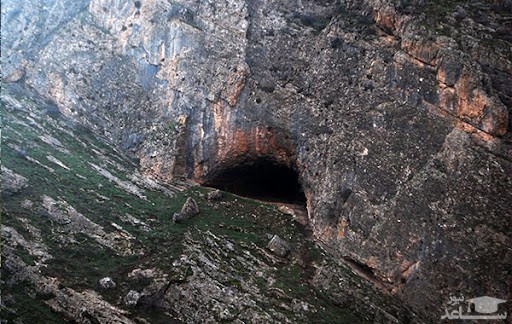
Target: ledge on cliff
(263,180)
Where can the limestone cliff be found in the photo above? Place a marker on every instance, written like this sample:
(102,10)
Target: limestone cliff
(395,115)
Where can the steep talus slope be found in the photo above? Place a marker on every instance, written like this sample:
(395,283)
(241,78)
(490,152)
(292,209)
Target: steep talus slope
(395,115)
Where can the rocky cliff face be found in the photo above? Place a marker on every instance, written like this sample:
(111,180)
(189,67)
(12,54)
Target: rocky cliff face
(86,238)
(395,115)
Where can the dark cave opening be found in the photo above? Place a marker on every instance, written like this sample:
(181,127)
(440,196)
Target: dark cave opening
(262,180)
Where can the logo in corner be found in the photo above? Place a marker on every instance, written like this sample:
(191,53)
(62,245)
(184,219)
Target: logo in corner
(484,307)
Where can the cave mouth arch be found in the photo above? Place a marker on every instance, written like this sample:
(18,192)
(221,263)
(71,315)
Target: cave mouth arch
(261,179)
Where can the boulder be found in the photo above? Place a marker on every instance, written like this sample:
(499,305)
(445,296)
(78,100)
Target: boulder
(190,207)
(279,246)
(107,283)
(132,298)
(188,210)
(215,195)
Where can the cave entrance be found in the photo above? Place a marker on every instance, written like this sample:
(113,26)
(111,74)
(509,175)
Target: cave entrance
(262,180)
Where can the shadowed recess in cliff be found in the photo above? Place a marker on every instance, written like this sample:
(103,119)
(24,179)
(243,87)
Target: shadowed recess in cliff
(263,180)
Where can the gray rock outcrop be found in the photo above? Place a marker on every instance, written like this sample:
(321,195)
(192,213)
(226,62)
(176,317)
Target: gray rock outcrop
(12,182)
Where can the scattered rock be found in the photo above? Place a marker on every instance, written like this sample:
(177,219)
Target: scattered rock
(188,210)
(127,218)
(71,222)
(279,246)
(132,298)
(56,161)
(15,76)
(27,204)
(215,195)
(286,210)
(140,274)
(190,207)
(178,218)
(12,182)
(230,246)
(153,184)
(125,185)
(107,283)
